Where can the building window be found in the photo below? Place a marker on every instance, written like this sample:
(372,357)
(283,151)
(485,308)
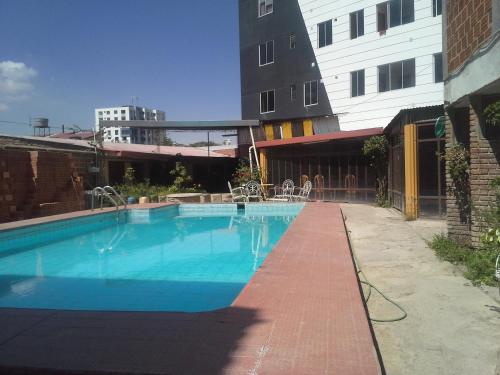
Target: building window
(116,132)
(438,67)
(293,92)
(293,41)
(396,75)
(115,111)
(310,93)
(437,7)
(267,101)
(324,33)
(107,112)
(394,13)
(100,113)
(357,24)
(124,118)
(266,53)
(358,83)
(116,118)
(123,111)
(265,7)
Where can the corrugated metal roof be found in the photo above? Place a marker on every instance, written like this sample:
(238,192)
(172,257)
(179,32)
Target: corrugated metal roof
(182,125)
(121,148)
(351,134)
(412,115)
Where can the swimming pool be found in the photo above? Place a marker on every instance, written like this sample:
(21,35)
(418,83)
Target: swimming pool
(178,258)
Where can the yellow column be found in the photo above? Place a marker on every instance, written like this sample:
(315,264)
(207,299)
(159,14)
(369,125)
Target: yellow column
(411,176)
(268,130)
(286,129)
(308,127)
(263,165)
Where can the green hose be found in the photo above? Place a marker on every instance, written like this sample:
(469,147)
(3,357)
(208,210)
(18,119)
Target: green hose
(364,280)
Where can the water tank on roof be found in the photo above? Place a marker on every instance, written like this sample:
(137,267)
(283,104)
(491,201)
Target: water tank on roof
(40,122)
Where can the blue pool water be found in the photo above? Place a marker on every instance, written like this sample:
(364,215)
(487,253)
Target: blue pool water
(192,258)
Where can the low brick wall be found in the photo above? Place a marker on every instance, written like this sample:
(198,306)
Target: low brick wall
(40,183)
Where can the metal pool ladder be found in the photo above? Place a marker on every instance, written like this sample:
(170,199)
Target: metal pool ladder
(109,193)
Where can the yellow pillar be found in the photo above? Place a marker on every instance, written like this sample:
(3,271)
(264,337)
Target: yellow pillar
(263,165)
(268,130)
(411,176)
(308,127)
(286,129)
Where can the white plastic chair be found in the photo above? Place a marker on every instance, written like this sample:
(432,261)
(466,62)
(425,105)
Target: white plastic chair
(253,190)
(238,194)
(285,192)
(304,192)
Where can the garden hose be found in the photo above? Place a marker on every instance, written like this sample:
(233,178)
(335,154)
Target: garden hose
(364,280)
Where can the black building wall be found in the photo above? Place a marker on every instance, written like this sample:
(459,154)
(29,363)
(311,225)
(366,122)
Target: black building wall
(291,66)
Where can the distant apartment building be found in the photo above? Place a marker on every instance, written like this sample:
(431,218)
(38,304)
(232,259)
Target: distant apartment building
(124,134)
(472,83)
(342,65)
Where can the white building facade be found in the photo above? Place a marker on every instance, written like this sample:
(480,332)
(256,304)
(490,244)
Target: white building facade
(376,58)
(123,134)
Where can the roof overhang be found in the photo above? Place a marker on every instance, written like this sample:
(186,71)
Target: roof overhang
(183,125)
(341,135)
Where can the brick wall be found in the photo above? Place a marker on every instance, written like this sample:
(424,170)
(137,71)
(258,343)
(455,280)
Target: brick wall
(468,26)
(39,183)
(485,157)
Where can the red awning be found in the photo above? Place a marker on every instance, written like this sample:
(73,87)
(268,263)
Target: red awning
(351,134)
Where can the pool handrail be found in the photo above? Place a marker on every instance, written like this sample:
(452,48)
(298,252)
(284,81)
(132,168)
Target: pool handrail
(102,192)
(120,198)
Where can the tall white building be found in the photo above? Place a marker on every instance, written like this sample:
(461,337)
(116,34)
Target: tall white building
(124,134)
(350,64)
(382,56)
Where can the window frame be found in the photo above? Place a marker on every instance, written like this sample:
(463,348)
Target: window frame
(319,25)
(434,56)
(435,8)
(356,15)
(356,73)
(379,6)
(310,92)
(267,101)
(389,19)
(293,92)
(403,71)
(266,50)
(265,7)
(292,41)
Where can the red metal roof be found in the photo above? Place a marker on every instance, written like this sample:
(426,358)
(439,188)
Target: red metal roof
(350,134)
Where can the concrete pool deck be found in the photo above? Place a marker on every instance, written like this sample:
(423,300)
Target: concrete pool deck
(301,313)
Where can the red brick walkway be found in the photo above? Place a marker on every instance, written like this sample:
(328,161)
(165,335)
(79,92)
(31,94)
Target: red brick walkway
(301,313)
(308,300)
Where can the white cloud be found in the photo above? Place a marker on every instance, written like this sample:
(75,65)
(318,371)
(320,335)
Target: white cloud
(15,82)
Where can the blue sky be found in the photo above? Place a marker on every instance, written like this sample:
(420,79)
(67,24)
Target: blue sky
(61,59)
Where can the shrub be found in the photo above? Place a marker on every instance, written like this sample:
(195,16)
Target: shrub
(458,159)
(376,149)
(492,113)
(243,174)
(490,218)
(479,264)
(182,184)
